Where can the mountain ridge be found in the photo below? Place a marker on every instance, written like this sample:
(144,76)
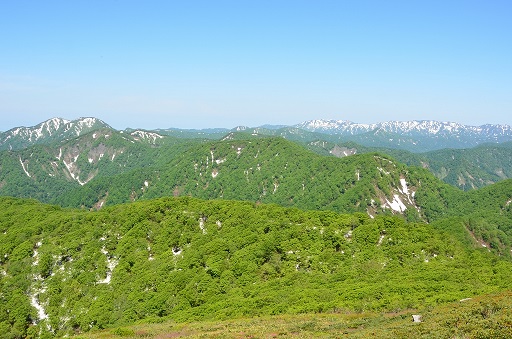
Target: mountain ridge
(415,135)
(430,126)
(50,130)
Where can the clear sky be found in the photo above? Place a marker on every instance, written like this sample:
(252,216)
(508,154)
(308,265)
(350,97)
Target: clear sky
(197,64)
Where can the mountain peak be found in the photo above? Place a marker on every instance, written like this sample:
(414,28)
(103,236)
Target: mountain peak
(445,134)
(50,130)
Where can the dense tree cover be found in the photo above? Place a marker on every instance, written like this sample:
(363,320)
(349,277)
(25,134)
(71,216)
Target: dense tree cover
(65,271)
(118,169)
(37,184)
(487,215)
(45,172)
(466,169)
(270,170)
(245,167)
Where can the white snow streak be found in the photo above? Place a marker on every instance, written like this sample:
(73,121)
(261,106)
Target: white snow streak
(382,170)
(70,167)
(24,169)
(111,264)
(405,189)
(397,204)
(201,225)
(36,291)
(381,239)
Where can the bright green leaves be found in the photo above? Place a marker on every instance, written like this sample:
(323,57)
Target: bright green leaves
(188,259)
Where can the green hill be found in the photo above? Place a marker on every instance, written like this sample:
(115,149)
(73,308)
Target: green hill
(66,271)
(274,170)
(108,167)
(45,172)
(466,169)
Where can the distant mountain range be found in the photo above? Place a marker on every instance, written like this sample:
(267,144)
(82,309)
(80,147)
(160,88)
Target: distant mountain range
(414,136)
(467,157)
(411,128)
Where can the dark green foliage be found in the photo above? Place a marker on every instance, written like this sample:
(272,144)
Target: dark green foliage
(47,172)
(487,215)
(466,169)
(270,170)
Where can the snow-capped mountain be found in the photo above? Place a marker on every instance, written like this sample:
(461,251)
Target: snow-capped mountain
(415,127)
(421,134)
(415,136)
(50,130)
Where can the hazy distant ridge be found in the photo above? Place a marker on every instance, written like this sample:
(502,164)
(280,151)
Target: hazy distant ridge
(410,128)
(415,136)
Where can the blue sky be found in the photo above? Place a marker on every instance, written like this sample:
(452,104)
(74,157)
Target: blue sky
(197,64)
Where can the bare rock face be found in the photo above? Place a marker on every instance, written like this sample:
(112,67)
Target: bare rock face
(342,151)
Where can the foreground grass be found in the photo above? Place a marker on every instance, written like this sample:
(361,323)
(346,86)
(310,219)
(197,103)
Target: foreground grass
(482,317)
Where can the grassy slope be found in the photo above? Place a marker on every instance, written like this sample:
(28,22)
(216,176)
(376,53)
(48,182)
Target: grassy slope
(488,316)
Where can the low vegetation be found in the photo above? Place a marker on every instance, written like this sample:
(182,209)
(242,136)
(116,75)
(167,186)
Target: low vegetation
(488,316)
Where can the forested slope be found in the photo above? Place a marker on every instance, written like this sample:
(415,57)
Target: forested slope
(65,271)
(274,170)
(467,169)
(107,168)
(45,172)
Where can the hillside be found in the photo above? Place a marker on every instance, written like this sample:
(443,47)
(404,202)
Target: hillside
(467,169)
(186,259)
(487,216)
(462,167)
(274,170)
(46,171)
(267,239)
(470,168)
(106,167)
(486,316)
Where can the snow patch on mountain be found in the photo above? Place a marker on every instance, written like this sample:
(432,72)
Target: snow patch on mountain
(37,288)
(396,204)
(111,264)
(24,169)
(202,220)
(417,134)
(147,136)
(52,129)
(71,170)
